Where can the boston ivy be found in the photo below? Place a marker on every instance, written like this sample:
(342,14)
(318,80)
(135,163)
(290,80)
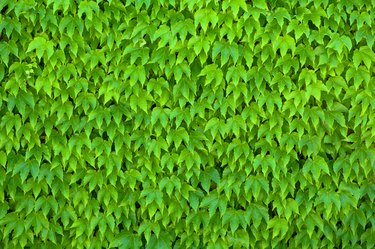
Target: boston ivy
(187,124)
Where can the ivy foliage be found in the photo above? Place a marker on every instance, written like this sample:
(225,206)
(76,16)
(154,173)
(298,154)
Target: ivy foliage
(187,124)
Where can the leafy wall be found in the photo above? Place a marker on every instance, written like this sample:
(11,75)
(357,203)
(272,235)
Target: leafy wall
(187,124)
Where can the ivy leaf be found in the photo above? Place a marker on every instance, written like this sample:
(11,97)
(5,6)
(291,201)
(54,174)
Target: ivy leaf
(279,227)
(3,158)
(365,55)
(204,123)
(284,43)
(237,4)
(338,42)
(162,242)
(261,4)
(316,165)
(204,17)
(38,44)
(207,176)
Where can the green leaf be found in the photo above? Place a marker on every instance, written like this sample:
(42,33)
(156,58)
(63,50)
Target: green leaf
(279,227)
(162,242)
(41,45)
(261,4)
(205,16)
(237,4)
(3,158)
(284,43)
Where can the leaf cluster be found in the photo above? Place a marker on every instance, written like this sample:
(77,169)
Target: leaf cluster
(187,124)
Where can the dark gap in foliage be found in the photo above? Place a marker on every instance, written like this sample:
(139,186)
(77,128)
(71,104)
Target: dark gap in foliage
(271,213)
(362,43)
(267,88)
(199,185)
(4,10)
(41,64)
(256,43)
(187,14)
(78,182)
(290,195)
(368,225)
(137,205)
(121,226)
(240,207)
(330,157)
(326,39)
(309,66)
(312,26)
(110,103)
(15,111)
(94,194)
(257,151)
(71,100)
(175,242)
(42,137)
(200,31)
(94,134)
(143,240)
(6,195)
(219,168)
(301,156)
(105,136)
(297,185)
(314,44)
(101,209)
(262,20)
(276,141)
(96,231)
(339,224)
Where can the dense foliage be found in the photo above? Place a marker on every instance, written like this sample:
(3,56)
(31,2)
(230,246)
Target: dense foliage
(187,124)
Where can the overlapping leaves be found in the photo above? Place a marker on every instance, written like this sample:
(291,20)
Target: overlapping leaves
(178,124)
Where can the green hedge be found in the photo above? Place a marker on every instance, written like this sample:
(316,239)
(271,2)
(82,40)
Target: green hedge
(187,124)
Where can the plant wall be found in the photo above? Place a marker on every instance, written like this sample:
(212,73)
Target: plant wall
(187,124)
